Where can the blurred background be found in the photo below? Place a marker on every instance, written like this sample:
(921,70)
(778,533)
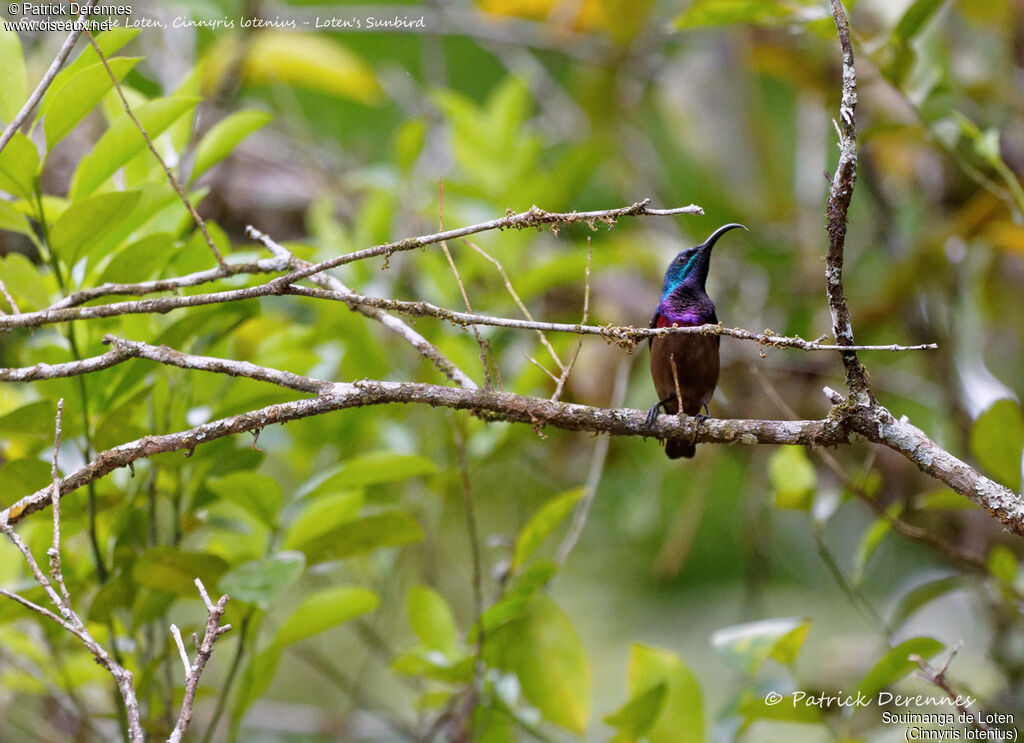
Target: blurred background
(579,105)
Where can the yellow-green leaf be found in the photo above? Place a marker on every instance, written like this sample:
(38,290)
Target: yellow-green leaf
(123,141)
(14,90)
(81,95)
(543,649)
(87,221)
(224,137)
(680,718)
(325,609)
(19,164)
(793,477)
(542,523)
(997,440)
(431,619)
(748,646)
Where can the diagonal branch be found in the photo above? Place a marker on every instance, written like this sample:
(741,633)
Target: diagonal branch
(33,100)
(199,221)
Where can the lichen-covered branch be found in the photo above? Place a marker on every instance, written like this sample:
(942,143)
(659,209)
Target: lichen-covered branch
(836,210)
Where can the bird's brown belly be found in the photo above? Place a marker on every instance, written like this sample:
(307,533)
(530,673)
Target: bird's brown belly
(697,365)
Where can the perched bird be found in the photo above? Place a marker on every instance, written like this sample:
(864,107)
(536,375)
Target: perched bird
(684,301)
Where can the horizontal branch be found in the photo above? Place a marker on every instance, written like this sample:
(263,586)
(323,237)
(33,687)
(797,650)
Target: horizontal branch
(505,406)
(846,423)
(624,334)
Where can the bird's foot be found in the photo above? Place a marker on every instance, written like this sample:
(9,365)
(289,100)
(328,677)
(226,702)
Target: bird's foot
(652,415)
(698,421)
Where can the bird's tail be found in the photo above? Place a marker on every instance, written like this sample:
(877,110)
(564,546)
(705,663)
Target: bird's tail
(676,449)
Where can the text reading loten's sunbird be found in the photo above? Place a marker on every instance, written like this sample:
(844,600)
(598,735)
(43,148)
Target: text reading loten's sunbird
(684,302)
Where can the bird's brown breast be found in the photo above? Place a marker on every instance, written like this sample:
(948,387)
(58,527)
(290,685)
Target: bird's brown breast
(697,365)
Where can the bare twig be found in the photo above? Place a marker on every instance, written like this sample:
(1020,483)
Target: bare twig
(199,221)
(214,629)
(567,368)
(54,551)
(33,100)
(484,345)
(515,296)
(937,676)
(10,300)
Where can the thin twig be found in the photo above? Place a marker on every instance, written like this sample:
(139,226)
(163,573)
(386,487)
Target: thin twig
(199,221)
(10,300)
(485,348)
(54,551)
(567,368)
(937,676)
(515,296)
(33,100)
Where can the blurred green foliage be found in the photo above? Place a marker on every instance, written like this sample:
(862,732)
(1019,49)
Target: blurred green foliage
(343,539)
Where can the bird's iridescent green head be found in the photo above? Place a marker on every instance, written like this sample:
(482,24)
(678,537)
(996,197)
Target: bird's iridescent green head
(690,267)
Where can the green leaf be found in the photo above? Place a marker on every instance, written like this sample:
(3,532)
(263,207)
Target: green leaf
(788,709)
(257,493)
(921,595)
(139,261)
(758,12)
(1002,564)
(14,91)
(19,164)
(431,619)
(88,221)
(915,18)
(542,523)
(322,515)
(793,477)
(24,281)
(82,94)
(895,664)
(869,542)
(637,715)
(255,680)
(748,646)
(997,439)
(325,609)
(224,137)
(260,582)
(430,664)
(13,220)
(29,419)
(681,718)
(108,42)
(369,469)
(543,649)
(174,571)
(391,528)
(409,141)
(123,141)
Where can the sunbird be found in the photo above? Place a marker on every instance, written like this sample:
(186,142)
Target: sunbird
(685,302)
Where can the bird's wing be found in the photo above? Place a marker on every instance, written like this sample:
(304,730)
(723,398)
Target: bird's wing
(653,324)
